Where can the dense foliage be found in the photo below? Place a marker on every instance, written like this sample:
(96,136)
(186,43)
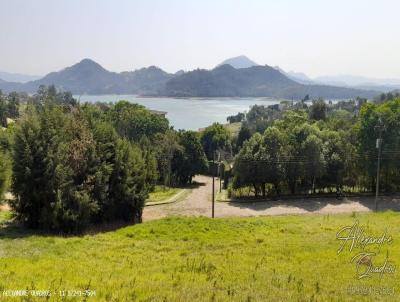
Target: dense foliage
(213,138)
(67,173)
(300,148)
(3,174)
(73,165)
(9,107)
(133,121)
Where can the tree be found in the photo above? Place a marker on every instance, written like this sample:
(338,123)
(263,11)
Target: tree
(3,111)
(149,154)
(236,118)
(134,121)
(74,206)
(167,146)
(248,169)
(34,163)
(373,119)
(318,110)
(244,135)
(128,186)
(3,174)
(190,160)
(273,155)
(13,105)
(70,170)
(314,167)
(213,138)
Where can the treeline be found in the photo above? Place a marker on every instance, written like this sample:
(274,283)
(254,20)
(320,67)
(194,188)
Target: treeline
(309,148)
(9,107)
(74,165)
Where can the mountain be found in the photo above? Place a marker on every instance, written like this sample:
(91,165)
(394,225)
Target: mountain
(143,81)
(239,62)
(298,77)
(351,80)
(85,77)
(179,72)
(359,82)
(17,77)
(88,77)
(255,81)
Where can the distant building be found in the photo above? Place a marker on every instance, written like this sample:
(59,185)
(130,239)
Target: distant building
(163,113)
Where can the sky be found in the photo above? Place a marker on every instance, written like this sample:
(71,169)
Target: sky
(321,37)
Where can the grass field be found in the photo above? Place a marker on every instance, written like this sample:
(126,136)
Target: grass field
(287,258)
(233,128)
(161,194)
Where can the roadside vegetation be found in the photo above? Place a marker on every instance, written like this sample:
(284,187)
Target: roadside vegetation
(162,194)
(316,148)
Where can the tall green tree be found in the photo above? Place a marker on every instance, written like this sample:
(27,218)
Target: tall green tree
(318,110)
(213,138)
(70,170)
(3,174)
(13,105)
(34,162)
(134,121)
(190,159)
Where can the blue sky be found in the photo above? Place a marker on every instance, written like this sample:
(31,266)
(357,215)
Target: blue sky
(315,37)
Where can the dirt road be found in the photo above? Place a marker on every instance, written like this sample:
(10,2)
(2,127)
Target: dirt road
(198,203)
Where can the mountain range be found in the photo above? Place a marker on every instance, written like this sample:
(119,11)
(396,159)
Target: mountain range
(255,81)
(17,77)
(235,77)
(351,81)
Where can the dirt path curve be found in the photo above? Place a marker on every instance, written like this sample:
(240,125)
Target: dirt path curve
(198,203)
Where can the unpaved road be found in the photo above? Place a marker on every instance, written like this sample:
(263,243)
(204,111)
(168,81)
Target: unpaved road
(198,203)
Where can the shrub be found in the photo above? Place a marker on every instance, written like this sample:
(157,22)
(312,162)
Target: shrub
(68,173)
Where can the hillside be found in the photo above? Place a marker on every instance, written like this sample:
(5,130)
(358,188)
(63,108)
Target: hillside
(84,77)
(88,77)
(256,81)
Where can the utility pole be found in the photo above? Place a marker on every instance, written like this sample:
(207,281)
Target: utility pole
(213,183)
(220,172)
(220,177)
(380,127)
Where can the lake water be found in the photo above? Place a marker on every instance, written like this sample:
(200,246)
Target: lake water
(188,114)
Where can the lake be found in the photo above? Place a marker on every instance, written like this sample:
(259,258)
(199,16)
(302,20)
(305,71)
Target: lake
(191,113)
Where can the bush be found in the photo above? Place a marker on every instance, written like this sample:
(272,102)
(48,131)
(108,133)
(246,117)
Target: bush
(68,173)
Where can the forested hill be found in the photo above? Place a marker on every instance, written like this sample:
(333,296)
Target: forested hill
(255,81)
(88,77)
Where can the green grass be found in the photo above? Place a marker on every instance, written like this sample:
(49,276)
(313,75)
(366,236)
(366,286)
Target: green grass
(163,194)
(233,128)
(287,258)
